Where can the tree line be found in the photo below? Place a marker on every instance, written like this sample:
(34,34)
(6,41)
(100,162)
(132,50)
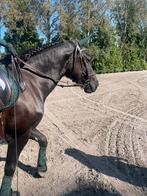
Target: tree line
(117,29)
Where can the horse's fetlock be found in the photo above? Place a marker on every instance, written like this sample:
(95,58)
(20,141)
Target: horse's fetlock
(43,141)
(10,169)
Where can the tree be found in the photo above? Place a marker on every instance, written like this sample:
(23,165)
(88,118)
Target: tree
(19,21)
(67,26)
(43,11)
(129,21)
(91,13)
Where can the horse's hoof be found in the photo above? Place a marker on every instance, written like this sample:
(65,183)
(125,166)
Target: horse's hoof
(15,193)
(40,174)
(41,171)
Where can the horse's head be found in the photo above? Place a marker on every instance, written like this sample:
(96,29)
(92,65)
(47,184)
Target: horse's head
(81,71)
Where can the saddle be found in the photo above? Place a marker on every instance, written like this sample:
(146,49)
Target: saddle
(9,89)
(9,93)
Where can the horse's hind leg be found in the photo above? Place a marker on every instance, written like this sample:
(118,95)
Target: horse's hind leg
(11,162)
(42,140)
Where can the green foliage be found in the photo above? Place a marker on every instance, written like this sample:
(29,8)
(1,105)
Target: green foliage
(131,58)
(101,38)
(129,51)
(106,60)
(22,42)
(114,59)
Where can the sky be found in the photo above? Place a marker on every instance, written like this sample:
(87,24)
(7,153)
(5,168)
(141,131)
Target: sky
(2,31)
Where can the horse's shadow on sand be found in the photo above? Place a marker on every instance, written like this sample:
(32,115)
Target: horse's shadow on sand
(32,171)
(112,166)
(108,165)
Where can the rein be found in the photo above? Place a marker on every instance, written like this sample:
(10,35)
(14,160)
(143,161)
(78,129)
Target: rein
(38,73)
(17,73)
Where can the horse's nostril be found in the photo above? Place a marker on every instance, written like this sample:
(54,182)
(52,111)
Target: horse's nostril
(91,87)
(96,83)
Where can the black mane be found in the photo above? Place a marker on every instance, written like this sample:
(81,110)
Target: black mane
(32,52)
(29,53)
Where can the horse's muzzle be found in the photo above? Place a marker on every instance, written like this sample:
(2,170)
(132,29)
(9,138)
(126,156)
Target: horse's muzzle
(91,85)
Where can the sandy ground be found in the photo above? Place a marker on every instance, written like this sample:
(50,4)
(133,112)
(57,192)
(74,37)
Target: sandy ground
(97,143)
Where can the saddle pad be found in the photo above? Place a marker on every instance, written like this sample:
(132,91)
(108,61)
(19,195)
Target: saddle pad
(9,89)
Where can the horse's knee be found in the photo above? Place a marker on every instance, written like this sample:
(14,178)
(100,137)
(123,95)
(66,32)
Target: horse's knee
(39,137)
(42,140)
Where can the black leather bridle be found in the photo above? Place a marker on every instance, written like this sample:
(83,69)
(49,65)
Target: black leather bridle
(85,70)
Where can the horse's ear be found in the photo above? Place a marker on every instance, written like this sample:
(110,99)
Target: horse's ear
(83,49)
(78,49)
(75,42)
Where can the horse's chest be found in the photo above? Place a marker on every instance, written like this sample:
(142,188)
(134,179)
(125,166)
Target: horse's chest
(28,116)
(32,114)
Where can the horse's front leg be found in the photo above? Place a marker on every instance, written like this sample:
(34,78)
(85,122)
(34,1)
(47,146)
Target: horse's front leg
(13,152)
(42,140)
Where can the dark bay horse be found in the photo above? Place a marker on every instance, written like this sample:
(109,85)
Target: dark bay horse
(42,70)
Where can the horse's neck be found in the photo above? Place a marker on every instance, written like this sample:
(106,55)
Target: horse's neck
(40,86)
(51,64)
